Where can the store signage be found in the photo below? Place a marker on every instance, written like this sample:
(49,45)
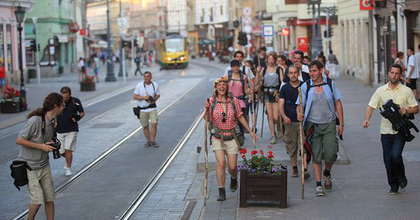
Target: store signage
(74,27)
(303,44)
(83,32)
(268,30)
(366,5)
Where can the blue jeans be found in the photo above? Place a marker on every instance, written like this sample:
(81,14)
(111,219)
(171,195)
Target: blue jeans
(393,145)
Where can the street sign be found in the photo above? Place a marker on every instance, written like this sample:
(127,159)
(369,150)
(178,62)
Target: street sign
(303,44)
(268,30)
(268,40)
(246,11)
(246,20)
(248,29)
(366,5)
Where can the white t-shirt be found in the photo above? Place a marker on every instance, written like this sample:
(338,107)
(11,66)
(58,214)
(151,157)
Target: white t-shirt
(248,72)
(80,64)
(142,89)
(417,56)
(412,63)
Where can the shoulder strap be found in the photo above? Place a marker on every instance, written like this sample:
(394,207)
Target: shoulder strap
(213,105)
(230,75)
(329,83)
(243,68)
(233,106)
(278,73)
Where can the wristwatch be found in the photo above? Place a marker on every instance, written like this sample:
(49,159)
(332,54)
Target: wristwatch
(341,125)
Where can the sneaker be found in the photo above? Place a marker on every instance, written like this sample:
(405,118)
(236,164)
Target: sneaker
(393,191)
(154,144)
(306,175)
(327,182)
(273,140)
(319,191)
(222,194)
(147,144)
(403,183)
(233,184)
(68,172)
(295,174)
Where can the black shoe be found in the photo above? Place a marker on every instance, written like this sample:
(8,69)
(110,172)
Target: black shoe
(233,184)
(222,194)
(393,191)
(403,183)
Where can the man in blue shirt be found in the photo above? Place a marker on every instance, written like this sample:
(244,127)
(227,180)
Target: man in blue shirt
(319,114)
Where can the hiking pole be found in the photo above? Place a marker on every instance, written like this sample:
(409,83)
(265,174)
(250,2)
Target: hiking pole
(301,143)
(206,152)
(263,112)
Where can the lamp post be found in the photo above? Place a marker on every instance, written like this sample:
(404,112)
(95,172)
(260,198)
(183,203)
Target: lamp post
(110,76)
(20,15)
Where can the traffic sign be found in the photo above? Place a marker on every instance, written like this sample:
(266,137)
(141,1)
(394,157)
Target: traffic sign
(268,30)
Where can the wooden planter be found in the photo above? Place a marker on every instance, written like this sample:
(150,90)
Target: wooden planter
(87,86)
(263,187)
(10,107)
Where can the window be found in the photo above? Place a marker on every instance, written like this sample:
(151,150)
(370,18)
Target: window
(211,14)
(202,15)
(221,10)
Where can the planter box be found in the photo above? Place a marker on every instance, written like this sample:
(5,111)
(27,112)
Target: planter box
(263,187)
(10,107)
(87,87)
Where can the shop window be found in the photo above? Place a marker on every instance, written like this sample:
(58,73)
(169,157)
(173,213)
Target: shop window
(9,60)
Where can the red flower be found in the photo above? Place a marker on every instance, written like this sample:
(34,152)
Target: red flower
(270,156)
(243,156)
(243,151)
(254,152)
(270,152)
(258,161)
(262,152)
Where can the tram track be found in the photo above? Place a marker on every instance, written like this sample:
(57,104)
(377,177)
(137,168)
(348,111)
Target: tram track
(116,146)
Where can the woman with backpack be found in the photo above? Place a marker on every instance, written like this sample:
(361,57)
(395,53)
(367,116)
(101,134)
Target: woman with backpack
(270,81)
(223,112)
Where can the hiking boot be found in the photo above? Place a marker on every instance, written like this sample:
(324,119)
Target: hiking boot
(403,183)
(233,184)
(222,194)
(273,140)
(295,174)
(319,191)
(306,175)
(327,182)
(147,144)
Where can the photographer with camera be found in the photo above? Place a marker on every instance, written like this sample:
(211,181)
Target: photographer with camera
(67,127)
(392,141)
(36,141)
(147,93)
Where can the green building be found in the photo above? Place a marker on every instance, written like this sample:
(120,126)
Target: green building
(54,22)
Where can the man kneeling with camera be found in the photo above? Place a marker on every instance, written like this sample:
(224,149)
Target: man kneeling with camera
(147,93)
(36,139)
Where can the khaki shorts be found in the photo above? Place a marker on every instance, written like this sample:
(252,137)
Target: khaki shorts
(324,142)
(291,132)
(68,141)
(40,185)
(230,147)
(146,116)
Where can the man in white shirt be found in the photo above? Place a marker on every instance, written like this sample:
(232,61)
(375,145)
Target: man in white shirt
(147,93)
(412,71)
(417,56)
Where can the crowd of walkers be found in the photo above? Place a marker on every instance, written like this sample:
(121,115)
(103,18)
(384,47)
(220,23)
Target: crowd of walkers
(275,80)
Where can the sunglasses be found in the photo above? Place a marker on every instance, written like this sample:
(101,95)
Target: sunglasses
(224,117)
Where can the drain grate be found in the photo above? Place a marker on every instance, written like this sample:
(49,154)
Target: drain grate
(106,125)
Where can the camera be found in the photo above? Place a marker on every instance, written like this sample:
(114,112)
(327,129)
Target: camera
(57,145)
(151,99)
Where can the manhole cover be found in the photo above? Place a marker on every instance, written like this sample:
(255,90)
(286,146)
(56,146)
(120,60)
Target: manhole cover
(106,125)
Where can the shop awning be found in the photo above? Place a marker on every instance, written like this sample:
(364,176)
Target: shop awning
(206,41)
(225,38)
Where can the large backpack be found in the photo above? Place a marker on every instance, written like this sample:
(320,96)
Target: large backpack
(309,86)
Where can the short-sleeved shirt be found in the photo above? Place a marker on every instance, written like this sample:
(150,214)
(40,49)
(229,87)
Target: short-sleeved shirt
(258,61)
(412,63)
(402,95)
(216,116)
(32,131)
(417,58)
(151,90)
(249,74)
(65,123)
(331,96)
(97,62)
(237,89)
(290,95)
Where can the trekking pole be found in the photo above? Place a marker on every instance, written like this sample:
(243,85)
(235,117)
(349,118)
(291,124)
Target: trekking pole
(301,143)
(206,177)
(263,112)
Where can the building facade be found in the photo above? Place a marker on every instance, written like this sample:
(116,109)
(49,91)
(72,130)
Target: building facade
(9,40)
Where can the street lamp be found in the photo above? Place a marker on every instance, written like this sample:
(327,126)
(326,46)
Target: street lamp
(20,15)
(110,76)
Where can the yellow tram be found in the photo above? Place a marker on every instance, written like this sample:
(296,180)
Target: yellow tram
(172,51)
